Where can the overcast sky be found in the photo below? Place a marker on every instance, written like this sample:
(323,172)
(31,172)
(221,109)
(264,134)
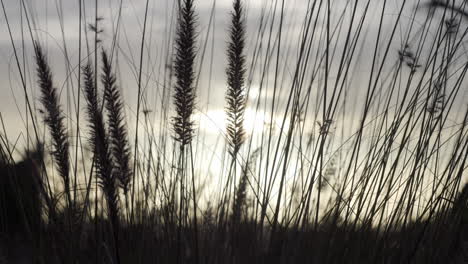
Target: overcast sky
(55,24)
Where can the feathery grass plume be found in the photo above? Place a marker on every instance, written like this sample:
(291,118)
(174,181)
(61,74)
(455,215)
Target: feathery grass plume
(184,97)
(117,127)
(100,146)
(235,95)
(54,118)
(184,101)
(444,4)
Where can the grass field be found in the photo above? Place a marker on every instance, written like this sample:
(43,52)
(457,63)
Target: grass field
(233,131)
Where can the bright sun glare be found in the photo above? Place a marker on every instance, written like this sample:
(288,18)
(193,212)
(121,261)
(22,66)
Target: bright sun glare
(214,121)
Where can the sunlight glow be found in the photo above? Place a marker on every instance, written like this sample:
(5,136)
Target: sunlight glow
(214,121)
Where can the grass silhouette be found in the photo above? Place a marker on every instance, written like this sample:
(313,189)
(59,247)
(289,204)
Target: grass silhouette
(345,139)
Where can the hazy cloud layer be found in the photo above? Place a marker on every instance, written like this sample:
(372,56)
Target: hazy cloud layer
(55,24)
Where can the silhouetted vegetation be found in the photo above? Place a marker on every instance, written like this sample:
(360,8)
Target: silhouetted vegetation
(331,174)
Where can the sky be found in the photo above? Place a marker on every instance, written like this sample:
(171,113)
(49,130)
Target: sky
(55,24)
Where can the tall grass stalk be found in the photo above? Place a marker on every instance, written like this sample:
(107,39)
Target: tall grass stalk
(102,153)
(184,101)
(54,118)
(117,127)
